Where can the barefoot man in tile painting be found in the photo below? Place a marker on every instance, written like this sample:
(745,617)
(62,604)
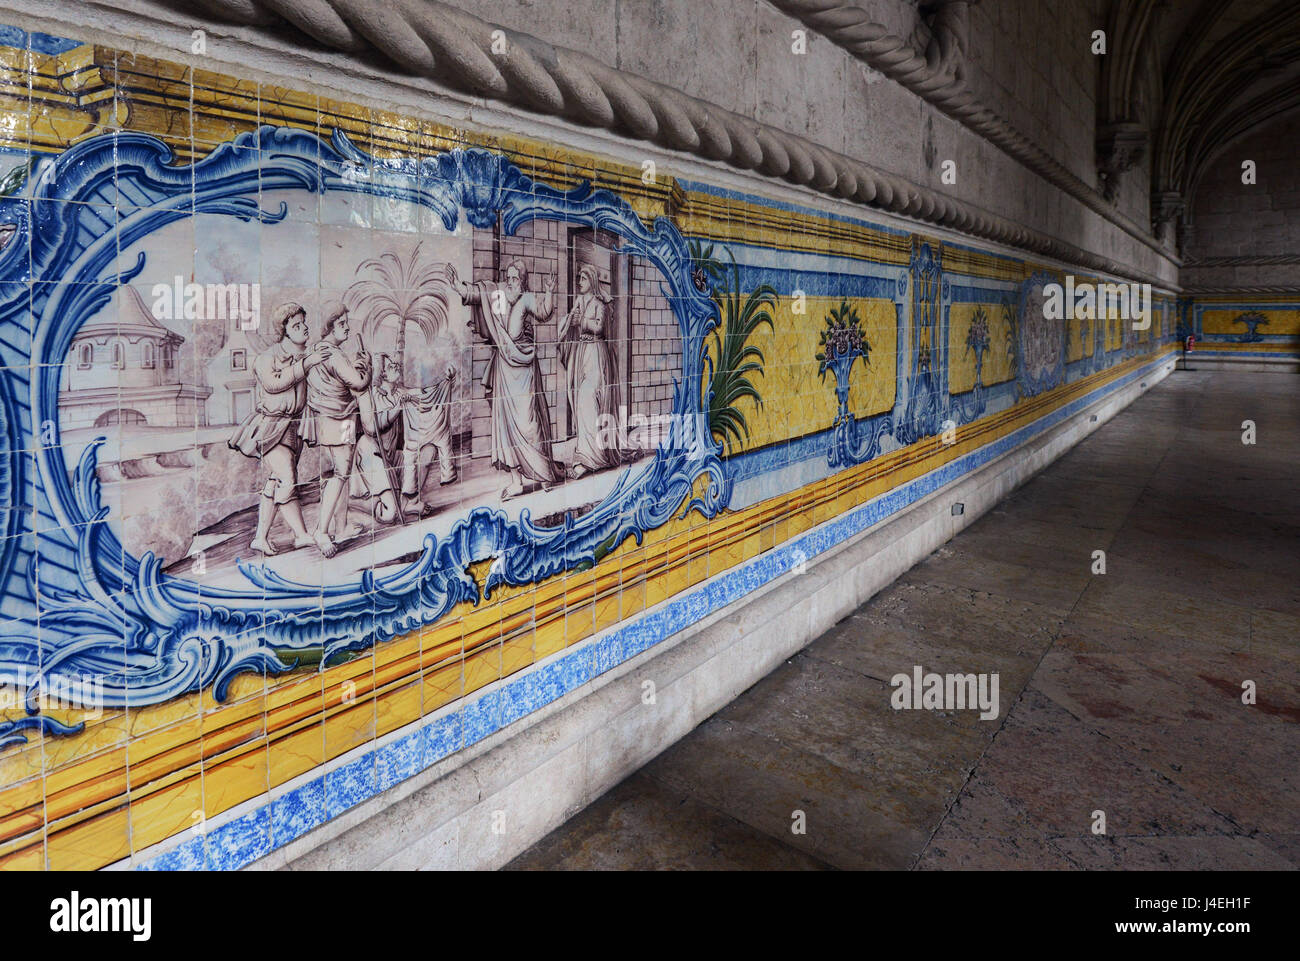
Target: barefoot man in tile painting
(332,421)
(505,316)
(270,432)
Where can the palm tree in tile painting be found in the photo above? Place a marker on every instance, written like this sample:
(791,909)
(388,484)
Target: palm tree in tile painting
(1009,333)
(401,291)
(732,361)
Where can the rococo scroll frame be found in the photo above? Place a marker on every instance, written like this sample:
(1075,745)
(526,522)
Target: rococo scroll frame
(90,608)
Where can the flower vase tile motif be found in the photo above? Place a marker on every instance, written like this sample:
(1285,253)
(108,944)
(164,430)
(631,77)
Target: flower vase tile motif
(843,343)
(981,346)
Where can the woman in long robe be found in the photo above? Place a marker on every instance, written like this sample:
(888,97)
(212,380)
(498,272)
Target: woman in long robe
(591,376)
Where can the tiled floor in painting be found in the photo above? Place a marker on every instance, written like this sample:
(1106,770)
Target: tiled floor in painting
(1119,692)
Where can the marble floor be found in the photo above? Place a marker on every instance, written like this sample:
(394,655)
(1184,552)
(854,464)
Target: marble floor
(1119,692)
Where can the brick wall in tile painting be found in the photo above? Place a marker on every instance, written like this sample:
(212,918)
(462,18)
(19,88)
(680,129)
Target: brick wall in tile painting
(656,343)
(348,647)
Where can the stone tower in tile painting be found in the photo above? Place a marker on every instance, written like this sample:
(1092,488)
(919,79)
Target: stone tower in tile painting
(122,368)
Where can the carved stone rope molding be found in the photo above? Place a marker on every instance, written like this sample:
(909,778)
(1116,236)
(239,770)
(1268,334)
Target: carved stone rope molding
(431,39)
(938,77)
(1277,290)
(1269,260)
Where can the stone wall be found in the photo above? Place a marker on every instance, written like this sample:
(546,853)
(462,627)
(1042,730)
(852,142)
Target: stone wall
(1248,235)
(738,54)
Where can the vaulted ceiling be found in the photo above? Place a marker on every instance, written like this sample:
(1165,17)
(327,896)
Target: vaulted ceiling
(1184,80)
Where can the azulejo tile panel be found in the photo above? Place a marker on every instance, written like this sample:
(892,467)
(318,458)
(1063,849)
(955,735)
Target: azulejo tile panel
(337,441)
(1248,328)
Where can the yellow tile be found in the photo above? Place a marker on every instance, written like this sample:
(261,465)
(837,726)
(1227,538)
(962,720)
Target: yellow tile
(153,716)
(441,641)
(17,766)
(88,782)
(233,726)
(108,731)
(163,751)
(548,637)
(168,809)
(632,597)
(396,650)
(286,107)
(579,623)
(232,780)
(606,610)
(349,728)
(294,697)
(91,843)
(656,587)
(442,685)
(395,708)
(350,682)
(22,808)
(24,854)
(482,668)
(697,564)
(481,627)
(516,654)
(295,753)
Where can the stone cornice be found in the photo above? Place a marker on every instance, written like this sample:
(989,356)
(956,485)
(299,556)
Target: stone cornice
(434,40)
(1276,290)
(938,77)
(1269,260)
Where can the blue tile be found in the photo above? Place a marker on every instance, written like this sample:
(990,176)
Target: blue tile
(643,635)
(183,857)
(517,698)
(349,785)
(715,595)
(442,737)
(577,668)
(240,841)
(482,717)
(606,653)
(398,760)
(296,812)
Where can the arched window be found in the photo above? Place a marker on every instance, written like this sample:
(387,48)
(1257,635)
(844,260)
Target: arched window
(149,355)
(85,356)
(119,356)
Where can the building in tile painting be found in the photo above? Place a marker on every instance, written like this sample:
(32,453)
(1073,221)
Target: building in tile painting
(123,368)
(229,376)
(643,333)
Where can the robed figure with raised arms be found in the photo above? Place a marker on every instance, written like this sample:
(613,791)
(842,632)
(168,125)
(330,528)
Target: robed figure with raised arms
(505,315)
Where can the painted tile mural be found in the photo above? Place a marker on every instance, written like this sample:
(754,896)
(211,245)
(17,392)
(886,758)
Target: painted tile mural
(326,424)
(1261,328)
